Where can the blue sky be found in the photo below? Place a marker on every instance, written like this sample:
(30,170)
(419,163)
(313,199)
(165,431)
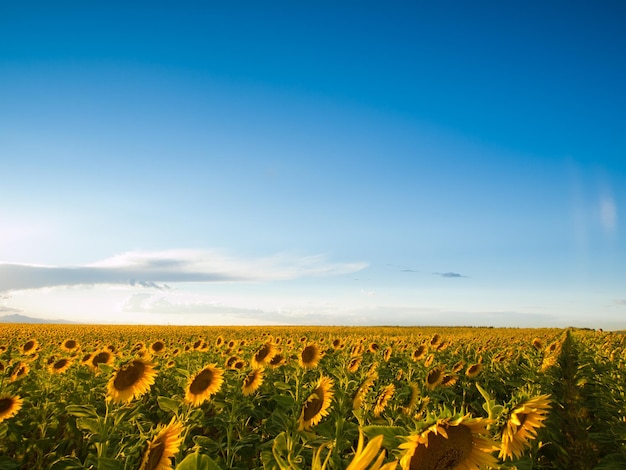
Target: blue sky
(314,163)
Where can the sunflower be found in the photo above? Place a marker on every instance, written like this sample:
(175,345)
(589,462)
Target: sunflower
(30,346)
(131,380)
(412,399)
(357,350)
(521,426)
(435,340)
(548,361)
(359,395)
(373,347)
(9,406)
(277,360)
(317,404)
(219,341)
(364,456)
(354,364)
(310,356)
(458,366)
(434,378)
(158,347)
(459,444)
(337,344)
(86,358)
(383,399)
(448,380)
(537,344)
(429,360)
(69,345)
(20,371)
(252,382)
(387,353)
(163,447)
(60,366)
(419,353)
(230,362)
(205,383)
(100,357)
(263,355)
(473,370)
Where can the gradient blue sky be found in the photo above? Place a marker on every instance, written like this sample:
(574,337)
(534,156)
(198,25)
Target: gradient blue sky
(314,162)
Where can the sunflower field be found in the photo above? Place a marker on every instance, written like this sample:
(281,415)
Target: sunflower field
(148,398)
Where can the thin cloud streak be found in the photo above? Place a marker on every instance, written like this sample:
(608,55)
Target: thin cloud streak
(153,269)
(449,275)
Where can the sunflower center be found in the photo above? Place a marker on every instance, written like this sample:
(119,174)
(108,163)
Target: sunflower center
(419,352)
(102,357)
(128,375)
(309,354)
(276,360)
(155,455)
(231,360)
(5,404)
(262,353)
(202,381)
(29,345)
(158,346)
(314,406)
(60,364)
(70,344)
(434,376)
(442,453)
(250,378)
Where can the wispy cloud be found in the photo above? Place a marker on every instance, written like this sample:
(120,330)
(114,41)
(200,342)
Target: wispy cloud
(154,269)
(4,309)
(149,303)
(619,301)
(449,275)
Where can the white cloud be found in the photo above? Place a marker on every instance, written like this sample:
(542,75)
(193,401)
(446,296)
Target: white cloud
(152,269)
(608,213)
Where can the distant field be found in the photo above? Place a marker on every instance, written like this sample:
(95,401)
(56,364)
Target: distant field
(130,397)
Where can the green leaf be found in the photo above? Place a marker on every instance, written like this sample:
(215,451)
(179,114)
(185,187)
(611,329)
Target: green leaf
(183,372)
(197,461)
(168,404)
(490,404)
(283,401)
(281,386)
(391,434)
(82,411)
(66,463)
(204,441)
(105,463)
(107,369)
(88,424)
(8,464)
